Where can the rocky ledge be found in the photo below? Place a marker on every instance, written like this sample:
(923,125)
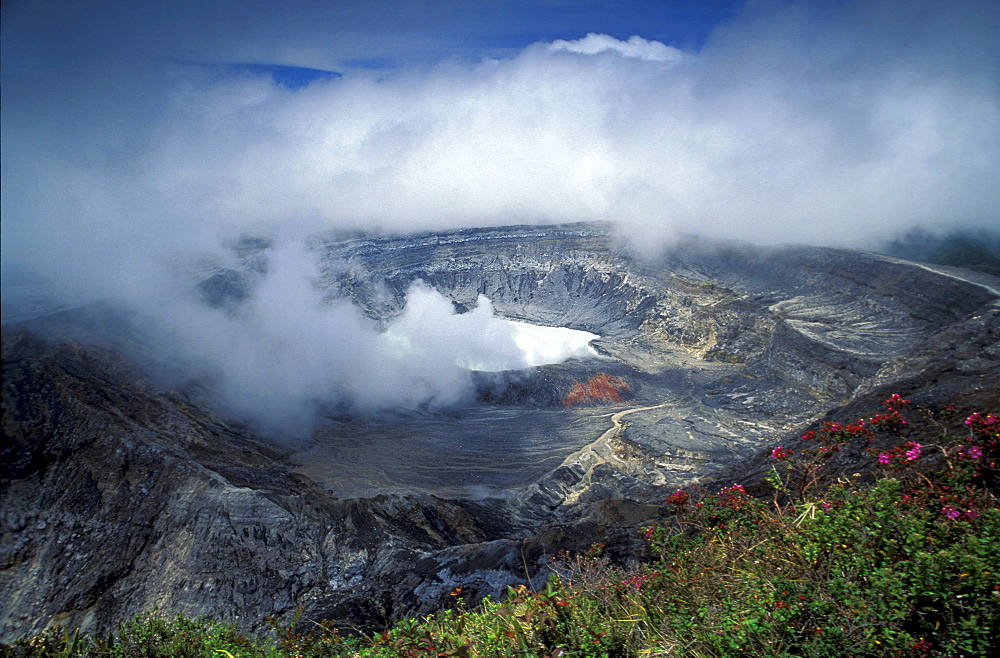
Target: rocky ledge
(121,497)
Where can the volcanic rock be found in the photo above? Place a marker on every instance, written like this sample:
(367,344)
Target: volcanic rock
(121,496)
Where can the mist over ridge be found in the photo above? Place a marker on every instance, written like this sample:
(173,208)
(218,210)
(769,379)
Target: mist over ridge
(129,161)
(330,310)
(282,357)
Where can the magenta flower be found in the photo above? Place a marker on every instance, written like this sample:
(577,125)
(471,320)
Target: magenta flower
(781,453)
(895,399)
(884,458)
(913,452)
(679,497)
(975,452)
(951,511)
(637,581)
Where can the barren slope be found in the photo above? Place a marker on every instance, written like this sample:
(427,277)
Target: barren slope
(120,498)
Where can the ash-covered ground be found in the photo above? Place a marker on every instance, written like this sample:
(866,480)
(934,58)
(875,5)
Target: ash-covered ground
(134,481)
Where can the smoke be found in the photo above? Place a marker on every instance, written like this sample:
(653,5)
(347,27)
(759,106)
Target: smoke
(131,150)
(283,356)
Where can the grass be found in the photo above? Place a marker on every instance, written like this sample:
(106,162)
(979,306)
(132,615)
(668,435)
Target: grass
(904,562)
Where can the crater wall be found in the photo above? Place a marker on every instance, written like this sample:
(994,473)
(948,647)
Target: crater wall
(119,497)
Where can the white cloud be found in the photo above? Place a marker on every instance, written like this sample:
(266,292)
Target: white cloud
(284,355)
(734,143)
(636,46)
(804,122)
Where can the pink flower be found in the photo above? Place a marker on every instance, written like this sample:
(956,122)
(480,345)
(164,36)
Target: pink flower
(951,511)
(913,452)
(781,453)
(895,400)
(679,497)
(884,458)
(975,452)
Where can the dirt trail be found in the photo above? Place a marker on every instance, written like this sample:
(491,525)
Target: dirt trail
(600,449)
(617,426)
(981,279)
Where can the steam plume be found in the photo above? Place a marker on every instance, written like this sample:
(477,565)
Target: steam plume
(127,153)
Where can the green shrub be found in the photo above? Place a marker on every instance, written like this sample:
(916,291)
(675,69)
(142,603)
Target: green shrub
(905,566)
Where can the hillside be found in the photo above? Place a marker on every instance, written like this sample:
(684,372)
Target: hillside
(125,492)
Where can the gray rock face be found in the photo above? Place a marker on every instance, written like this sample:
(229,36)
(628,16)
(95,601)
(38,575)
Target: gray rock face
(575,276)
(119,498)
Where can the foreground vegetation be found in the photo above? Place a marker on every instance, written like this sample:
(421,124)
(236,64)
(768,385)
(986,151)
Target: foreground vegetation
(901,558)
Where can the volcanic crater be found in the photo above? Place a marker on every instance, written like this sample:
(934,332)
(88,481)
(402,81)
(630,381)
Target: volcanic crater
(122,496)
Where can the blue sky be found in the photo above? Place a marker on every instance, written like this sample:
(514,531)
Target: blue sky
(827,121)
(331,35)
(142,138)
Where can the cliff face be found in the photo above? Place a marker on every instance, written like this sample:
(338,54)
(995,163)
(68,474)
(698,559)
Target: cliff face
(119,497)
